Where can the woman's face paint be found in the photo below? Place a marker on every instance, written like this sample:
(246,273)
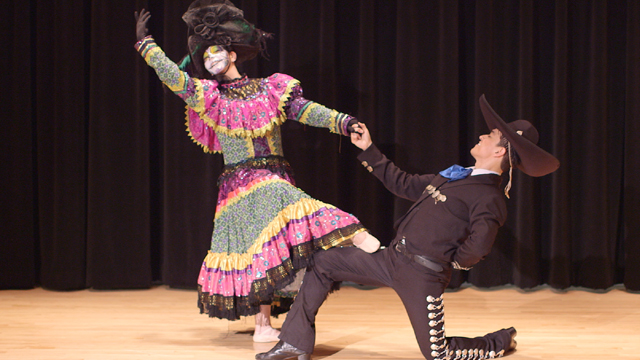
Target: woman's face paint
(216,60)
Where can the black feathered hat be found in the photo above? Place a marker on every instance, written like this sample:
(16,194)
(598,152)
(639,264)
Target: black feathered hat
(220,22)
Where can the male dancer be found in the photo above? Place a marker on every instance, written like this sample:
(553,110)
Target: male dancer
(451,225)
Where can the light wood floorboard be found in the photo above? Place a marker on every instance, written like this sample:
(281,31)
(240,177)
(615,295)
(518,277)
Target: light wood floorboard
(163,323)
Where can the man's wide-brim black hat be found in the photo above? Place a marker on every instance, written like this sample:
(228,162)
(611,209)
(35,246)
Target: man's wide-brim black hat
(523,137)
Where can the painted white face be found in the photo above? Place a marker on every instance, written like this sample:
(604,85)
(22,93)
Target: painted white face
(216,60)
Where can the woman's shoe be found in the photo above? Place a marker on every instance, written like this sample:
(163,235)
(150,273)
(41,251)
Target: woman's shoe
(366,242)
(265,333)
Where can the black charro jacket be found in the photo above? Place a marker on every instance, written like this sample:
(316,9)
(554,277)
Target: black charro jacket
(460,228)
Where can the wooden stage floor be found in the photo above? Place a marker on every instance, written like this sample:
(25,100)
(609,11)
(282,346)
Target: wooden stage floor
(162,323)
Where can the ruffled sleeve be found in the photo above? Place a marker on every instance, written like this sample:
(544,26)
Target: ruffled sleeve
(202,122)
(311,113)
(191,90)
(249,116)
(197,93)
(262,105)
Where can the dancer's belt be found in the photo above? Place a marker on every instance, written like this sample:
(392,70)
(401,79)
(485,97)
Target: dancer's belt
(274,163)
(402,249)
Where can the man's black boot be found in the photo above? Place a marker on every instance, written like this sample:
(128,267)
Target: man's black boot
(512,345)
(283,351)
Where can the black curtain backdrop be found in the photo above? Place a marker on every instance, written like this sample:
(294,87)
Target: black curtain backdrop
(102,188)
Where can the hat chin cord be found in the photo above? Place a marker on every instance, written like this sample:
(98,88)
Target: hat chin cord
(508,187)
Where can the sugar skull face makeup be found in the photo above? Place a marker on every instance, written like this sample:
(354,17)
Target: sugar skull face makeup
(216,60)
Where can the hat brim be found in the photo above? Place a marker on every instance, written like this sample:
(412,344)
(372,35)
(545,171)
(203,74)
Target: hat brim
(244,52)
(534,161)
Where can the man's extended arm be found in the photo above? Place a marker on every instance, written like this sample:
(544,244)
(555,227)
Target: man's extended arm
(399,182)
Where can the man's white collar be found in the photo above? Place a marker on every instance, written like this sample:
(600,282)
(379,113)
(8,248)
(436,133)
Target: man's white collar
(481,171)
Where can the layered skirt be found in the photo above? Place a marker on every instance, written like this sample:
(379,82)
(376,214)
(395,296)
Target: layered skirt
(265,231)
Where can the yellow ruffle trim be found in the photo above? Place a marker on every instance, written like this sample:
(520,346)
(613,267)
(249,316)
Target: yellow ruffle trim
(302,208)
(203,146)
(240,132)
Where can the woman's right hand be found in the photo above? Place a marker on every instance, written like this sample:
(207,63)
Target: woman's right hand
(141,23)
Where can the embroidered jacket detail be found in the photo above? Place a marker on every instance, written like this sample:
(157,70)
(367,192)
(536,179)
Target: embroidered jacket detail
(435,193)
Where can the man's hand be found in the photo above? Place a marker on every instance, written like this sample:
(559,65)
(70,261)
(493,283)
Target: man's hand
(361,137)
(141,23)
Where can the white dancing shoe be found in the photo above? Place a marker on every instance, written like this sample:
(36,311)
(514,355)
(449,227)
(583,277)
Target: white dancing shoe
(369,243)
(265,334)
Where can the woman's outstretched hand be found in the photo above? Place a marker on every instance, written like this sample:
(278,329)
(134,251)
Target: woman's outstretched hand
(141,23)
(361,137)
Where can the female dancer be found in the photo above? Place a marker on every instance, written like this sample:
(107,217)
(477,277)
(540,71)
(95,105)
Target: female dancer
(265,228)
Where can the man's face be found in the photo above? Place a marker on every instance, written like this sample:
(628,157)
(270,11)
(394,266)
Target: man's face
(487,146)
(216,60)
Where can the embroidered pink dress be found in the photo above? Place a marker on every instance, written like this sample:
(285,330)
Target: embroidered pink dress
(265,228)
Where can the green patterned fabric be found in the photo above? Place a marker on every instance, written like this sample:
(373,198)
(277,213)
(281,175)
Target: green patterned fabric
(244,220)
